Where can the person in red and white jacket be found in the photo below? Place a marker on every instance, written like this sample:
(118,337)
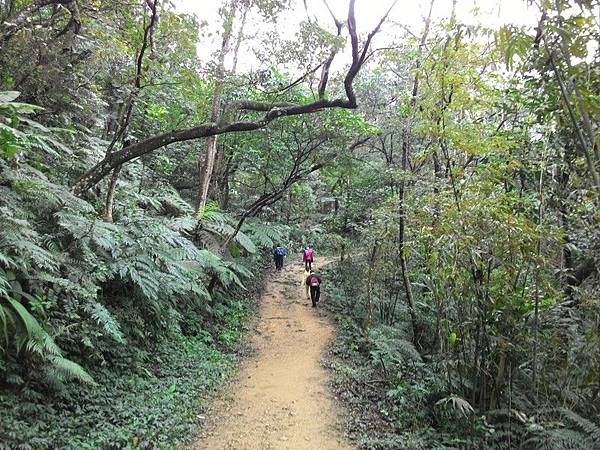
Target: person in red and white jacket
(308,257)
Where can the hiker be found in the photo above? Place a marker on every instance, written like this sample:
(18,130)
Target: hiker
(308,258)
(278,253)
(314,282)
(275,255)
(303,282)
(282,251)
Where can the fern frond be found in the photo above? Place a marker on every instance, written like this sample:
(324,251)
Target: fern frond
(241,270)
(104,318)
(28,322)
(183,224)
(4,326)
(456,403)
(245,242)
(29,336)
(263,235)
(210,211)
(69,369)
(171,199)
(215,265)
(554,439)
(589,428)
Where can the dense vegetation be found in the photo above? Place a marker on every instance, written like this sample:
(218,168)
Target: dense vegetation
(141,188)
(475,323)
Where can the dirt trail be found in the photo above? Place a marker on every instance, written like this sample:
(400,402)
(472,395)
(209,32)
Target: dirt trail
(279,399)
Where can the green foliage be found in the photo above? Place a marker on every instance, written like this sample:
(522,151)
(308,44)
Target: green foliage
(467,227)
(265,235)
(20,135)
(478,218)
(152,401)
(110,296)
(21,329)
(389,348)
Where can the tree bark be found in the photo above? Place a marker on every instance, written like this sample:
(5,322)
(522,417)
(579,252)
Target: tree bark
(220,172)
(372,258)
(401,239)
(110,195)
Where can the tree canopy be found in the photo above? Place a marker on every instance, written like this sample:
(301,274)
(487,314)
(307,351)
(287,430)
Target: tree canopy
(142,187)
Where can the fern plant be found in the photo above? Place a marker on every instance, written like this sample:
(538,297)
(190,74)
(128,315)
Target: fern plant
(101,283)
(19,134)
(576,432)
(265,235)
(21,329)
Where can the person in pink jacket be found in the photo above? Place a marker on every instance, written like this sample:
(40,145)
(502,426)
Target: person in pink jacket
(308,257)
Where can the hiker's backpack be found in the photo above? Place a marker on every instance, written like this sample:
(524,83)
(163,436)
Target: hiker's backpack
(308,254)
(313,280)
(281,251)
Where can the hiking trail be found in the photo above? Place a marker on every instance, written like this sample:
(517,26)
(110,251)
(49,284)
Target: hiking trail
(279,398)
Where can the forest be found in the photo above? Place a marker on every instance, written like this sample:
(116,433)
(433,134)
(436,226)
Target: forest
(152,153)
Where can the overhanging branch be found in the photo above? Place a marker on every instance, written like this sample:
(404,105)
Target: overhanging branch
(272,112)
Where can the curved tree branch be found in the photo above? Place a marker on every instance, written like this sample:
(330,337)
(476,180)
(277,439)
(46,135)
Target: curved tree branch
(272,111)
(329,61)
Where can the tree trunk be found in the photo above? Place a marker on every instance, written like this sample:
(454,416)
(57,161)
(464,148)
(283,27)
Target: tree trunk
(402,186)
(401,239)
(120,133)
(369,321)
(110,196)
(223,188)
(206,169)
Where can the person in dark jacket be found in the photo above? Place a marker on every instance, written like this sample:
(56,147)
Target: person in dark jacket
(278,253)
(313,281)
(275,256)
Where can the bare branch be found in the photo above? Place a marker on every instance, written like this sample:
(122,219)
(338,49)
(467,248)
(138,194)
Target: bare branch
(327,64)
(374,32)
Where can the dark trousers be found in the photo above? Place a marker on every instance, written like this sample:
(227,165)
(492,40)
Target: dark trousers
(278,262)
(307,264)
(315,293)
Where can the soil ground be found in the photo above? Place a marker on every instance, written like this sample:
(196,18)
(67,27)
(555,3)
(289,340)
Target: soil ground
(280,397)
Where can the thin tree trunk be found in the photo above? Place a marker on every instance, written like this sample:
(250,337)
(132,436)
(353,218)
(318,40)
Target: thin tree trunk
(536,323)
(239,40)
(402,186)
(401,240)
(206,169)
(110,195)
(120,134)
(369,322)
(218,180)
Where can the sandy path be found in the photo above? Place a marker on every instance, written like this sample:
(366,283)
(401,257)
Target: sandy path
(279,399)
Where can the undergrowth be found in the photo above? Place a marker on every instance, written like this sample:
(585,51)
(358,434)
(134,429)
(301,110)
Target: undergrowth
(398,397)
(150,398)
